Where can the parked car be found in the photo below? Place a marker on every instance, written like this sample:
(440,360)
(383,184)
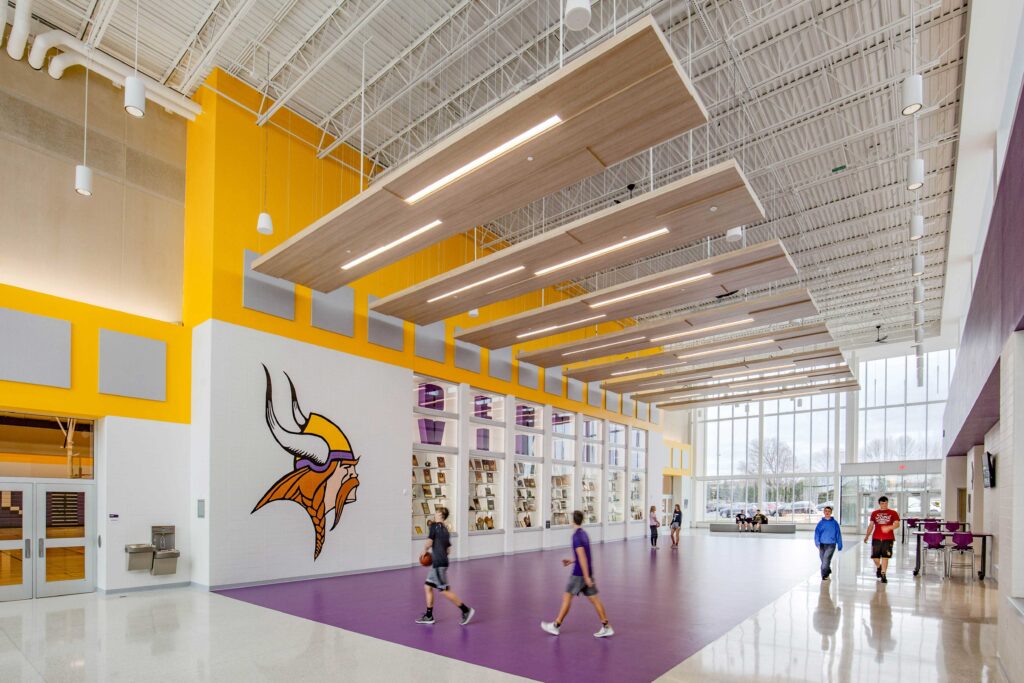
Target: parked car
(802,507)
(827,503)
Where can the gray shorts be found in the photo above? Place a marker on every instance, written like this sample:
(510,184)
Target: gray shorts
(438,578)
(577,585)
(675,525)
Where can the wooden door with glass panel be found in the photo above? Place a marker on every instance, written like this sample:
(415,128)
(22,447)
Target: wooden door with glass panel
(16,541)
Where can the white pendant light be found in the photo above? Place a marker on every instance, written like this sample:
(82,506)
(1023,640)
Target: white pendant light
(577,14)
(915,173)
(917,265)
(916,227)
(83,174)
(134,88)
(918,335)
(83,180)
(920,373)
(918,316)
(135,96)
(264,224)
(913,94)
(918,293)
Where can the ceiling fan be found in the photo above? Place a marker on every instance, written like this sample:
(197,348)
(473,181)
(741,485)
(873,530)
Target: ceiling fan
(879,339)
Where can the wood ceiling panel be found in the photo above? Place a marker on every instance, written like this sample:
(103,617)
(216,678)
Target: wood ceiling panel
(746,385)
(682,206)
(773,363)
(748,267)
(728,318)
(618,99)
(727,349)
(830,388)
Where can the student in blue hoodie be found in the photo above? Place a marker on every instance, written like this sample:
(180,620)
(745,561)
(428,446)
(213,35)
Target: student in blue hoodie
(828,539)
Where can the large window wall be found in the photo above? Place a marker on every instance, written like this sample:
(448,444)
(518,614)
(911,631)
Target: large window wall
(784,457)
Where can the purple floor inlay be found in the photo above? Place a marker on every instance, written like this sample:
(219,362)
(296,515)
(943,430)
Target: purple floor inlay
(665,605)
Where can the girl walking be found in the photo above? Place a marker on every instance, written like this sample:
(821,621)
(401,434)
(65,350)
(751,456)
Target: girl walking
(654,527)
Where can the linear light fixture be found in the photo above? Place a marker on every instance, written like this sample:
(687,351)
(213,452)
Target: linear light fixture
(748,371)
(558,327)
(727,348)
(628,372)
(604,346)
(484,159)
(390,245)
(476,284)
(601,252)
(651,290)
(699,330)
(794,372)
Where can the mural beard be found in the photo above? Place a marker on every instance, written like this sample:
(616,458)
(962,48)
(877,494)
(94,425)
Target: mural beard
(324,474)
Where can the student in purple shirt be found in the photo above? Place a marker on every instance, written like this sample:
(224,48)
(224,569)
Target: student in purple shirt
(580,581)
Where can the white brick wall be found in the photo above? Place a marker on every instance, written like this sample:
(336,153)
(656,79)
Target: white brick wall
(1010,488)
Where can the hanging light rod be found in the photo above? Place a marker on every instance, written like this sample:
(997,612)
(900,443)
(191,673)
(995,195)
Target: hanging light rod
(701,330)
(601,252)
(391,245)
(484,159)
(651,290)
(492,278)
(604,346)
(737,347)
(552,328)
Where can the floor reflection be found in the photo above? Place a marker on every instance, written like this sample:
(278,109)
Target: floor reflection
(855,628)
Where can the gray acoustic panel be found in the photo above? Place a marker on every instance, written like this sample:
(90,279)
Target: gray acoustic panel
(266,294)
(335,311)
(553,380)
(594,394)
(642,410)
(499,363)
(529,376)
(612,401)
(132,366)
(429,341)
(385,330)
(627,405)
(575,389)
(655,415)
(35,349)
(467,356)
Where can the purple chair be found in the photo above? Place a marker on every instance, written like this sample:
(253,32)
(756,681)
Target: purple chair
(933,541)
(912,522)
(962,544)
(952,526)
(931,526)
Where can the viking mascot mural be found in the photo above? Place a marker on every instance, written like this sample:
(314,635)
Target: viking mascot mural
(323,476)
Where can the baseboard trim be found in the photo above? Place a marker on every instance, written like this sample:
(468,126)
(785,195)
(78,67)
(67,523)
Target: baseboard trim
(139,589)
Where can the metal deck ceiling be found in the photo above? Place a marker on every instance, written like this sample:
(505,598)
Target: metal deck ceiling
(795,90)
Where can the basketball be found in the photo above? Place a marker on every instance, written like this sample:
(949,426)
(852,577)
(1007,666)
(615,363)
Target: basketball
(426,559)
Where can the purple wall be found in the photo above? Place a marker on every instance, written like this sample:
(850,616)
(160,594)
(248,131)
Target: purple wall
(996,311)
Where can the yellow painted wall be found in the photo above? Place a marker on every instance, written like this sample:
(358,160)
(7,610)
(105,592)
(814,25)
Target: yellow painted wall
(228,152)
(83,398)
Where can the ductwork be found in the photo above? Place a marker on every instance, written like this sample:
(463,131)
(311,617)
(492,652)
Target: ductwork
(19,29)
(77,53)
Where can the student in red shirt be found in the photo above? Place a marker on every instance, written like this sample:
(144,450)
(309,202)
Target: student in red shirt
(884,523)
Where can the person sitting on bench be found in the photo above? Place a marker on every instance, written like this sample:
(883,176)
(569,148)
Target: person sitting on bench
(758,519)
(741,521)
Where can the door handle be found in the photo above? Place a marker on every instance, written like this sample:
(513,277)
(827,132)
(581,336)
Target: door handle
(28,548)
(42,549)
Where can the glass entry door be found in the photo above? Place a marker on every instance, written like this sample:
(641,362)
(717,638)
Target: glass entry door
(16,541)
(47,540)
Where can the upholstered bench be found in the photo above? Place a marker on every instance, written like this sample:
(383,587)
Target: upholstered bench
(778,528)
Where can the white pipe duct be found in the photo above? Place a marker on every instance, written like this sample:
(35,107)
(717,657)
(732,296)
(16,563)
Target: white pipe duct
(77,53)
(19,29)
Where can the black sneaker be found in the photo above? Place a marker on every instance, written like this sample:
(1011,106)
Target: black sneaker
(466,616)
(884,580)
(427,618)
(878,572)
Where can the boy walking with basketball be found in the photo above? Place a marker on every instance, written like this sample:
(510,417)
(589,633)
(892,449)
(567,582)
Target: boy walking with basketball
(438,543)
(884,523)
(580,581)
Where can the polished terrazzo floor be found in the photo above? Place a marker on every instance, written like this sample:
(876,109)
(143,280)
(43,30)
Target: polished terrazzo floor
(851,629)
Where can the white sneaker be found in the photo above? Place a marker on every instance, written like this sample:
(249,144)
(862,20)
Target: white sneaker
(605,632)
(550,627)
